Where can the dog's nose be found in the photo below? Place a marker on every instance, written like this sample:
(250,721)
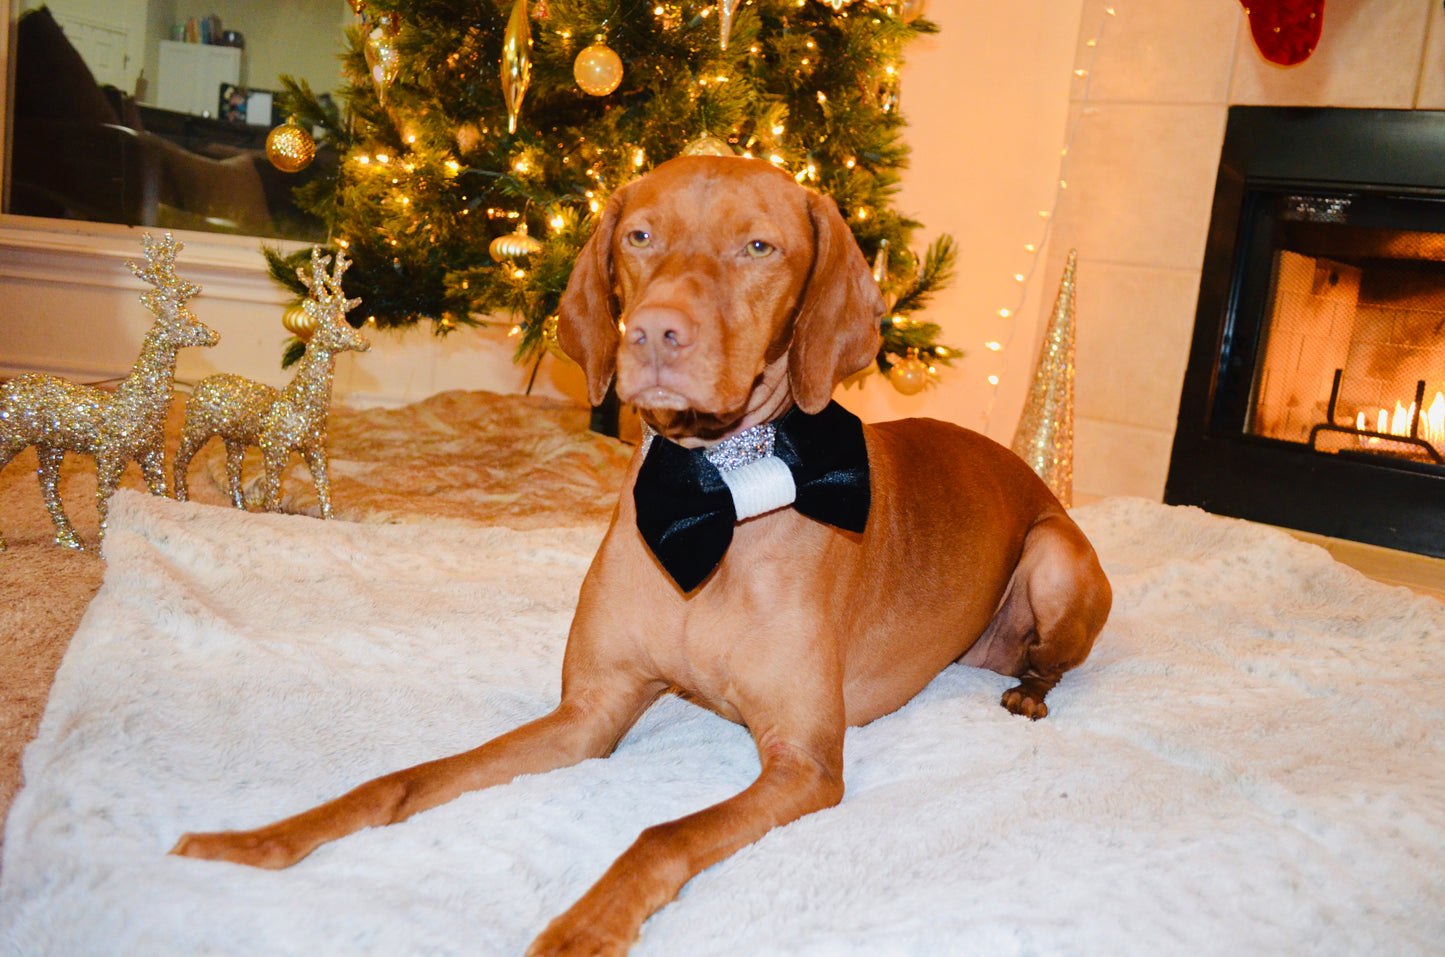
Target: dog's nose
(659,331)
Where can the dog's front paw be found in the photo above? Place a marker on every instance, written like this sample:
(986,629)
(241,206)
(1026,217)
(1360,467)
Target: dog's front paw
(567,938)
(260,848)
(601,924)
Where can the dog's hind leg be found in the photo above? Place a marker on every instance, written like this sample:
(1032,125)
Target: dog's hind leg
(1056,604)
(1069,598)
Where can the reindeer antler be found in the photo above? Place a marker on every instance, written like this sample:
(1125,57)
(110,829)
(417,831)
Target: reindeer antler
(326,296)
(340,305)
(160,271)
(314,278)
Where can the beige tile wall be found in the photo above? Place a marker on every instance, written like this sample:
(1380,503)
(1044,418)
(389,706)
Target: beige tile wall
(1148,120)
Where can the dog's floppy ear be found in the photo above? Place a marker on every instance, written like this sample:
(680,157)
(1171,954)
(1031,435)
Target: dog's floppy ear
(587,314)
(836,330)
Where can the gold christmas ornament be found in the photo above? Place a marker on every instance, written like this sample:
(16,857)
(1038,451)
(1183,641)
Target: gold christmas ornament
(57,416)
(910,374)
(708,145)
(1045,435)
(382,57)
(725,11)
(908,10)
(514,244)
(516,61)
(356,6)
(289,147)
(597,69)
(880,264)
(889,93)
(245,413)
(299,322)
(469,137)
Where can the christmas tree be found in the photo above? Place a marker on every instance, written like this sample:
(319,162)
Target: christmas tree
(476,139)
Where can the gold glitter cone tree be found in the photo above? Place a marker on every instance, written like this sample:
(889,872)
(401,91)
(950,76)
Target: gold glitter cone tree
(457,157)
(57,416)
(1045,435)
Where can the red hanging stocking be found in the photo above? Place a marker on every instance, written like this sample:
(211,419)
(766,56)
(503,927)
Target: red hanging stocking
(1286,31)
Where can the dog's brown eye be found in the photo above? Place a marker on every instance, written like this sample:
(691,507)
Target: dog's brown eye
(758,248)
(640,238)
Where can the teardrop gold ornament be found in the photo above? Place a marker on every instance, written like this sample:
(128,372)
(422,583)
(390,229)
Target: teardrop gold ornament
(516,61)
(383,59)
(725,11)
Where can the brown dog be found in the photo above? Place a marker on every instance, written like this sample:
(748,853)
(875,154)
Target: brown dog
(741,299)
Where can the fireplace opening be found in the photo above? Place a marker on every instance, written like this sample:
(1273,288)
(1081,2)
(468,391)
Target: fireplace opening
(1315,392)
(1354,337)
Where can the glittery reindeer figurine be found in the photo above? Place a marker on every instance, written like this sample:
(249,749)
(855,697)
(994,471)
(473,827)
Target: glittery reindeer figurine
(243,412)
(58,416)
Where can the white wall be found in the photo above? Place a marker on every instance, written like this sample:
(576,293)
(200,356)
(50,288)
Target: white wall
(1141,181)
(301,38)
(987,103)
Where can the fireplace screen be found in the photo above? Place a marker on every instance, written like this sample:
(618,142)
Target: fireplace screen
(1314,396)
(1354,339)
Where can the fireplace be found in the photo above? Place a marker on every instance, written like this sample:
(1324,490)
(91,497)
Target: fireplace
(1314,397)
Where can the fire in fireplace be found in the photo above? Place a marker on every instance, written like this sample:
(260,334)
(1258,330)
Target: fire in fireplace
(1315,392)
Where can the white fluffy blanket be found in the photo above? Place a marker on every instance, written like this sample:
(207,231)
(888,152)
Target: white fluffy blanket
(1252,762)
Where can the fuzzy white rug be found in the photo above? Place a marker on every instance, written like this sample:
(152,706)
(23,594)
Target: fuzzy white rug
(1252,762)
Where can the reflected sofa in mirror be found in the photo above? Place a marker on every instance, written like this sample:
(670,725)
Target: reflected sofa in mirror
(83,151)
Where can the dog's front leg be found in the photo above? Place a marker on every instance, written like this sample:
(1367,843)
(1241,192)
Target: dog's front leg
(796,779)
(586,724)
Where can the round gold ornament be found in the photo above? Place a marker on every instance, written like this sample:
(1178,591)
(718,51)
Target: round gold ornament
(597,69)
(708,145)
(514,244)
(299,321)
(516,61)
(289,147)
(910,374)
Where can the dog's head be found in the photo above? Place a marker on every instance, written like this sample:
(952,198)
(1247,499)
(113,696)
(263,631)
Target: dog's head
(719,291)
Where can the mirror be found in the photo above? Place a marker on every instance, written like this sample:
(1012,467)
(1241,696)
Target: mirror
(123,115)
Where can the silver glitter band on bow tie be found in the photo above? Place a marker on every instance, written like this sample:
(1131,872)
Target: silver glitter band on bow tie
(733,452)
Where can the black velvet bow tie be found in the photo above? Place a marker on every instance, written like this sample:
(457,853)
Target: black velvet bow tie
(685,510)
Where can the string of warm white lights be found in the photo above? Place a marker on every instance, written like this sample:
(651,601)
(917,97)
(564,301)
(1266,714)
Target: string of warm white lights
(1036,249)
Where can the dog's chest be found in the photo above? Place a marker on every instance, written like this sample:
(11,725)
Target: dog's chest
(729,636)
(696,652)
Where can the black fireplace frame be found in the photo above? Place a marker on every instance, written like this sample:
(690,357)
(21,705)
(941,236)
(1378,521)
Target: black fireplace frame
(1379,156)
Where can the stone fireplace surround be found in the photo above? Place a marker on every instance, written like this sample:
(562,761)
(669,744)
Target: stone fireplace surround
(1228,455)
